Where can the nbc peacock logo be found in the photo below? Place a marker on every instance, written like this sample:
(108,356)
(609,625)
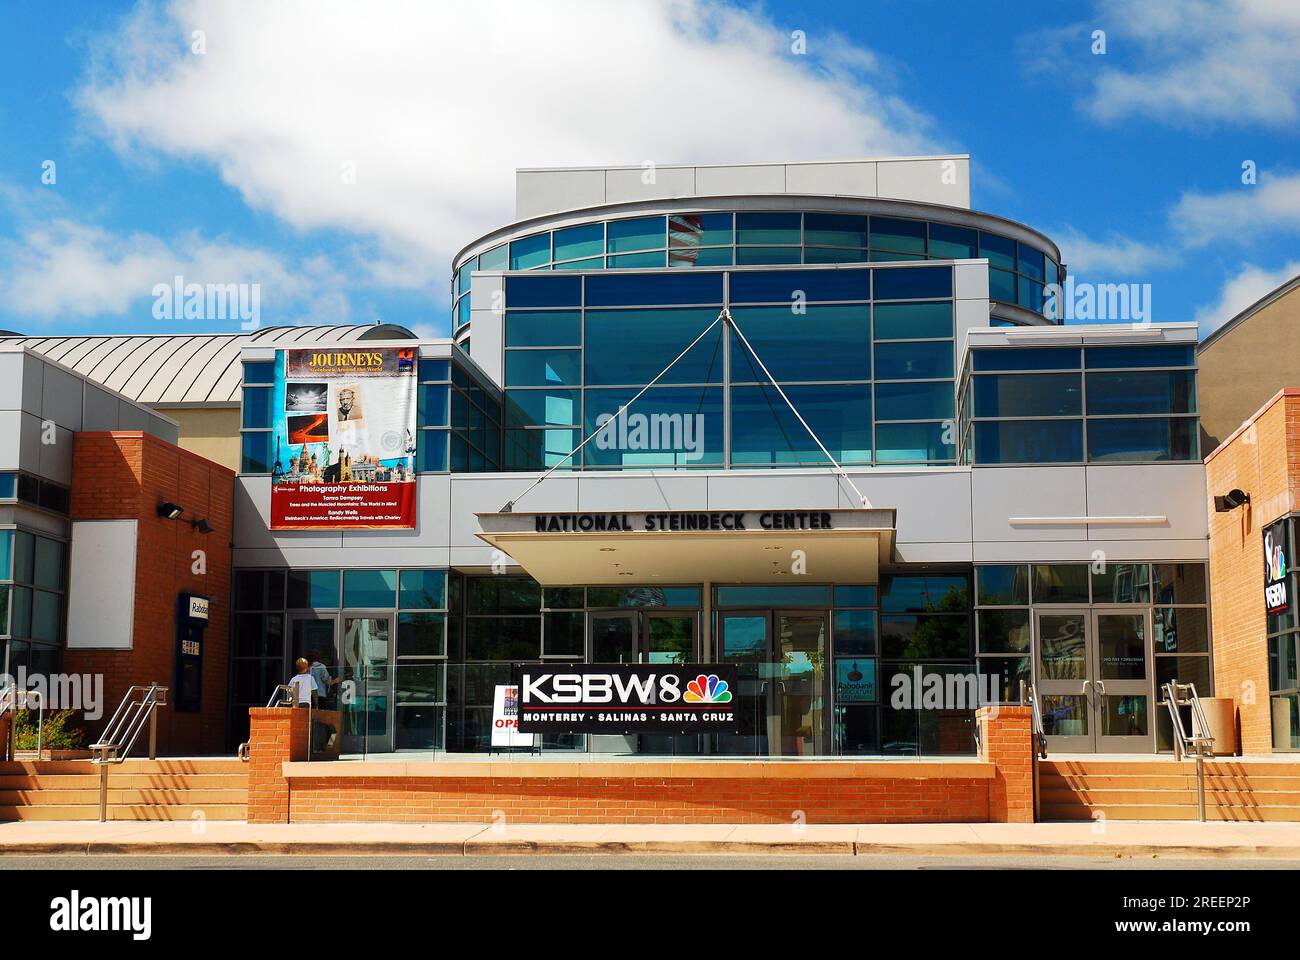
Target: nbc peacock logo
(707,689)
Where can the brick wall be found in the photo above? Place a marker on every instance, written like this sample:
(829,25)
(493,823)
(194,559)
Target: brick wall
(125,475)
(732,796)
(1263,459)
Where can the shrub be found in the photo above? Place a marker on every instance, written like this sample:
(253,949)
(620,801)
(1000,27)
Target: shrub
(60,734)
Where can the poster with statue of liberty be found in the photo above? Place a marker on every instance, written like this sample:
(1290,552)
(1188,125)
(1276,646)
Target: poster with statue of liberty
(344,438)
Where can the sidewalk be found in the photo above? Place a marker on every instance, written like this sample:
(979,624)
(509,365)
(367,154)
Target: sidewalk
(1146,839)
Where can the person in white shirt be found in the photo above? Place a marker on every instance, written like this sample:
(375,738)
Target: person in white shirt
(304,684)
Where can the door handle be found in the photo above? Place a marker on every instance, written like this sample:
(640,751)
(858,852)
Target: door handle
(1101,687)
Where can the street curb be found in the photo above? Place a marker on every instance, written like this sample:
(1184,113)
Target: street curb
(515,847)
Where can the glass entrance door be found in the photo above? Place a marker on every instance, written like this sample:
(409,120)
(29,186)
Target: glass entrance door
(313,635)
(367,655)
(782,656)
(1122,681)
(613,638)
(1094,679)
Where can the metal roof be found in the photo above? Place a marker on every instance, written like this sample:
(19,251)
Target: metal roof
(189,369)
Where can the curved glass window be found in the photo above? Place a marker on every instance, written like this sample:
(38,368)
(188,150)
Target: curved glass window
(643,233)
(707,239)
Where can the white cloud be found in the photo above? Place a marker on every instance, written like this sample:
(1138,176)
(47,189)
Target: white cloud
(65,269)
(1198,60)
(1116,255)
(1248,285)
(434,104)
(1239,215)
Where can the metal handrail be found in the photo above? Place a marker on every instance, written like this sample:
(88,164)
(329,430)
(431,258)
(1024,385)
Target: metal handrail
(1030,694)
(123,730)
(9,703)
(282,696)
(1199,743)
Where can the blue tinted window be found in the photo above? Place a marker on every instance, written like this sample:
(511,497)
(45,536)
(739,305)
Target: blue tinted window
(540,368)
(369,588)
(750,256)
(585,241)
(463,306)
(700,257)
(259,373)
(1144,440)
(1155,355)
(914,442)
(543,408)
(914,321)
(498,258)
(313,588)
(543,328)
(855,630)
(1029,294)
(933,594)
(654,288)
(435,369)
(644,233)
(667,426)
(770,595)
(767,228)
(1029,441)
(688,230)
(592,263)
(1028,395)
(765,431)
(953,243)
(462,275)
(834,255)
(549,291)
(1030,261)
(529,252)
(431,451)
(1030,358)
(1002,285)
(433,404)
(8,485)
(423,589)
(913,283)
(257,407)
(914,401)
(255,453)
(999,251)
(907,236)
(1165,391)
(834,230)
(658,336)
(823,343)
(783,286)
(534,449)
(913,361)
(853,596)
(634,261)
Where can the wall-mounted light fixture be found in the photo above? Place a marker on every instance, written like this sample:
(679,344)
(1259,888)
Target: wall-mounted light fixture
(170,511)
(1230,501)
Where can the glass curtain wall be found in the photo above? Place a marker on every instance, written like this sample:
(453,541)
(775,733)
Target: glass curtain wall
(866,356)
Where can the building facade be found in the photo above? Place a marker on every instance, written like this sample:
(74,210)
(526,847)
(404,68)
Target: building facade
(811,421)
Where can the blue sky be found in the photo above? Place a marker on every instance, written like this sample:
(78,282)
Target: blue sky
(338,154)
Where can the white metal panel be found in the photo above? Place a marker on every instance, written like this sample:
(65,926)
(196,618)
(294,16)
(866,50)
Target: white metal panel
(101,611)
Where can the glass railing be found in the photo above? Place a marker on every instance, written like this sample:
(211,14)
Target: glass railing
(444,711)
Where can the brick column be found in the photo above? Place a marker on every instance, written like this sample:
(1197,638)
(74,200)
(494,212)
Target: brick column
(276,734)
(1005,741)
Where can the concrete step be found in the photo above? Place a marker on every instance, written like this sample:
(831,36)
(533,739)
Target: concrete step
(1137,795)
(44,798)
(187,811)
(1216,767)
(89,768)
(173,781)
(1050,812)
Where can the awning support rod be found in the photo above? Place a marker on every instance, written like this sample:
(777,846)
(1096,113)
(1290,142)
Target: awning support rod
(799,416)
(510,505)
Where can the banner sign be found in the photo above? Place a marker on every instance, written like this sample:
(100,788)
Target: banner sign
(1276,599)
(344,423)
(505,718)
(629,698)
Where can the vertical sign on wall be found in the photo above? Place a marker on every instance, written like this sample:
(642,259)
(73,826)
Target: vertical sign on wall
(1276,567)
(344,423)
